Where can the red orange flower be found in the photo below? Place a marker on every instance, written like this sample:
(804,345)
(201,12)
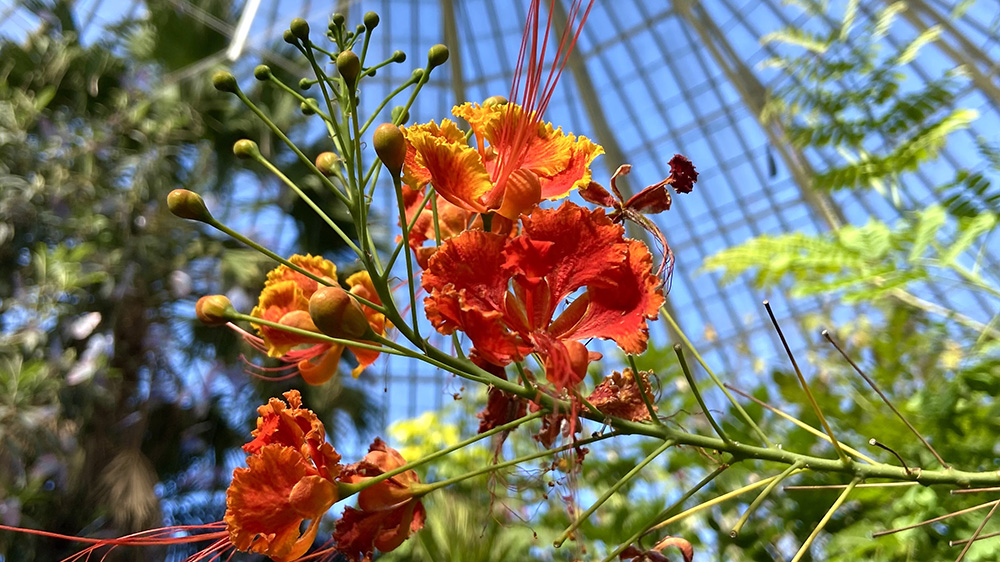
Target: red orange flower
(618,395)
(511,174)
(291,478)
(389,511)
(285,300)
(505,293)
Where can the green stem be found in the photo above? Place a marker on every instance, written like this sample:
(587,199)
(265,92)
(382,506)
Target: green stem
(351,489)
(238,316)
(302,157)
(302,99)
(694,388)
(743,413)
(663,514)
(610,492)
(409,82)
(650,407)
(404,241)
(428,488)
(398,185)
(308,201)
(760,499)
(332,126)
(241,238)
(826,518)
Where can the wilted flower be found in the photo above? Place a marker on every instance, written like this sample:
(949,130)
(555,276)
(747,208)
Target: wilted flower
(388,511)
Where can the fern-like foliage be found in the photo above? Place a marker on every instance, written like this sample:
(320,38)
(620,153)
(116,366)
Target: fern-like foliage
(858,262)
(846,92)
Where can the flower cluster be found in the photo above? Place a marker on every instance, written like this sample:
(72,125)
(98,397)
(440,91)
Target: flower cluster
(285,301)
(293,476)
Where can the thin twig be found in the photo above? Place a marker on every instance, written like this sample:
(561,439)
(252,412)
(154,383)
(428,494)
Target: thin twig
(936,519)
(979,538)
(875,443)
(871,383)
(976,490)
(743,413)
(857,454)
(975,535)
(760,499)
(694,388)
(826,518)
(805,387)
(842,486)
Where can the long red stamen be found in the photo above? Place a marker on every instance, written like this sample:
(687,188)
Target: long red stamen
(533,97)
(152,537)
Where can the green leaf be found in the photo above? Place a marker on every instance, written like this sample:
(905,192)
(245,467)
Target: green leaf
(928,224)
(969,231)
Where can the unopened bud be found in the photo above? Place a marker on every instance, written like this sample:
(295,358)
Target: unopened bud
(359,29)
(418,74)
(262,72)
(327,162)
(246,148)
(224,81)
(398,56)
(307,108)
(299,28)
(214,310)
(305,84)
(400,114)
(371,20)
(494,100)
(390,146)
(349,66)
(188,205)
(337,314)
(436,56)
(337,19)
(290,37)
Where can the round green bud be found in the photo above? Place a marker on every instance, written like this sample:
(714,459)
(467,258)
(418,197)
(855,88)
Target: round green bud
(335,312)
(290,37)
(371,20)
(494,100)
(398,56)
(214,310)
(188,205)
(359,29)
(400,114)
(337,19)
(436,56)
(307,108)
(224,81)
(327,162)
(417,75)
(299,28)
(390,146)
(349,66)
(246,148)
(305,84)
(262,72)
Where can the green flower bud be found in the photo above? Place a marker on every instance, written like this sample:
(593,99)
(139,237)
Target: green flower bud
(436,56)
(214,310)
(262,72)
(290,37)
(349,66)
(246,148)
(398,56)
(337,314)
(337,19)
(417,75)
(188,205)
(307,108)
(305,84)
(400,114)
(224,81)
(327,162)
(299,28)
(359,29)
(390,146)
(494,100)
(371,20)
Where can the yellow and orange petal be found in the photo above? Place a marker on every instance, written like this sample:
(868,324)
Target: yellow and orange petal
(317,265)
(415,174)
(277,301)
(267,503)
(454,168)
